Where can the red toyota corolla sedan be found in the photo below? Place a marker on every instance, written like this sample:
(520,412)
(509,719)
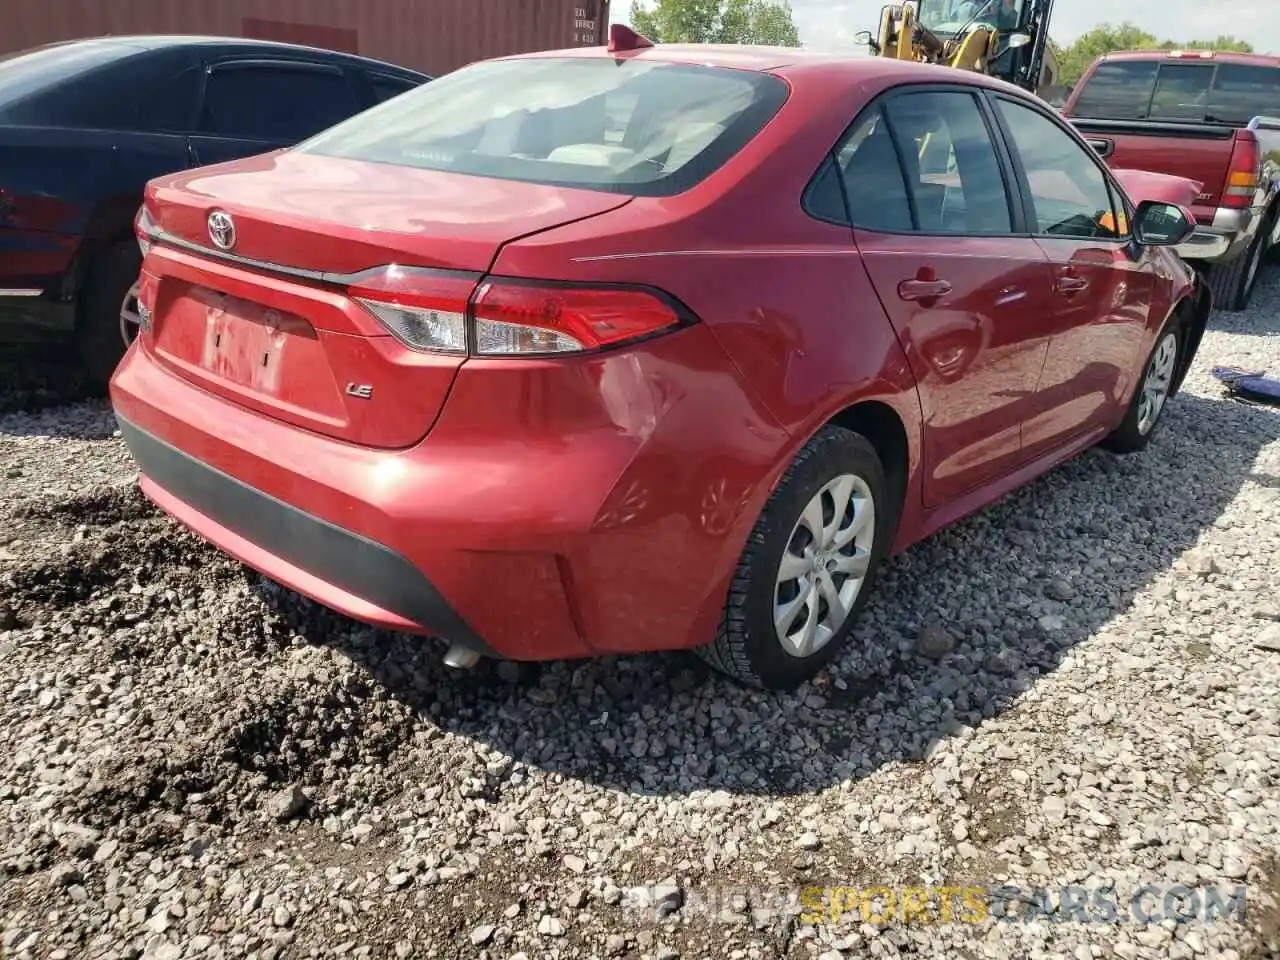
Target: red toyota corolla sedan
(591,352)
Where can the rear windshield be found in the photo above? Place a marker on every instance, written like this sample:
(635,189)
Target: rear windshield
(31,72)
(629,126)
(1229,93)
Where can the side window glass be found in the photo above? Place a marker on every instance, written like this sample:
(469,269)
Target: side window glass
(824,199)
(1182,92)
(952,170)
(1069,191)
(1121,210)
(872,177)
(274,104)
(1118,90)
(1241,93)
(170,107)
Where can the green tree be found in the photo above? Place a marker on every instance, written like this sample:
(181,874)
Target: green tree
(1104,38)
(767,22)
(1108,38)
(1222,42)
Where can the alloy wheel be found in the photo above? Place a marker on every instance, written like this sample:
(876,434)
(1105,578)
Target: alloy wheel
(824,565)
(1155,385)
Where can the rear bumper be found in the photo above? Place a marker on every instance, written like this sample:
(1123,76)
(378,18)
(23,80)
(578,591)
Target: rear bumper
(554,511)
(343,570)
(1226,237)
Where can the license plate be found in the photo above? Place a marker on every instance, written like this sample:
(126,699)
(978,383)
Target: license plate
(245,342)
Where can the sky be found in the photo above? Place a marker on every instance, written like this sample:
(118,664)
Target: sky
(833,23)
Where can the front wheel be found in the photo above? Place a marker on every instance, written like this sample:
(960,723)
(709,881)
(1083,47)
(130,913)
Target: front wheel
(1151,396)
(808,565)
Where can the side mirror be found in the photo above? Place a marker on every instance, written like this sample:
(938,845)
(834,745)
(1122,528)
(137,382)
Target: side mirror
(1159,224)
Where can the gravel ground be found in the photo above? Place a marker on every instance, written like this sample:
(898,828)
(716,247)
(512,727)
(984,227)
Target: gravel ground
(1080,688)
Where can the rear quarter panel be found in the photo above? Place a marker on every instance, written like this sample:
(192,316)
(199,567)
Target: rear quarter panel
(786,297)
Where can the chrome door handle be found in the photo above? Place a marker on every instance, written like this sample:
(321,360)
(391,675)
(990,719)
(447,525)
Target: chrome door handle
(923,289)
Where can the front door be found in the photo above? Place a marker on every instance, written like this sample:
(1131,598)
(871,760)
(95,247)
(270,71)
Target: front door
(967,296)
(1102,290)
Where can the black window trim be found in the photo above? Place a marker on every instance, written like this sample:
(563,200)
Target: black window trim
(232,61)
(912,207)
(1109,180)
(411,84)
(1019,224)
(249,63)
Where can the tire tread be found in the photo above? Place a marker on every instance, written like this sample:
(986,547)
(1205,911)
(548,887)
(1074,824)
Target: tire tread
(728,652)
(97,333)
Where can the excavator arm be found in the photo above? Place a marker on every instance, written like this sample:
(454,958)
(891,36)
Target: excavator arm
(970,39)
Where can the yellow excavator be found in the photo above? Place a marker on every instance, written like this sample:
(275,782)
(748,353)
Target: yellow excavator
(1008,39)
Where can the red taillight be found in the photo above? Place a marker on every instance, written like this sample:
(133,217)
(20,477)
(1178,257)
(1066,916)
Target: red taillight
(424,309)
(512,318)
(1242,172)
(457,313)
(144,229)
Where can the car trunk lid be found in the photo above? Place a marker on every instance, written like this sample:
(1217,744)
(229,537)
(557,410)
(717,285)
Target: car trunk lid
(264,315)
(330,215)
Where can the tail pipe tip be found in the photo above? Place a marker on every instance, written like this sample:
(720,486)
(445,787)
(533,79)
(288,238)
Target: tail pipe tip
(458,657)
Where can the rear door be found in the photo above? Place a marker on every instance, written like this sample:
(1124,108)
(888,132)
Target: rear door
(79,139)
(1102,290)
(166,115)
(966,290)
(255,106)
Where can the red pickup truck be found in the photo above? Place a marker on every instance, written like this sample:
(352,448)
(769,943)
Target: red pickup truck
(1212,117)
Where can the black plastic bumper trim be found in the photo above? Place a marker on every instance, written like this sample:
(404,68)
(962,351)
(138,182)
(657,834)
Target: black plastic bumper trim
(356,564)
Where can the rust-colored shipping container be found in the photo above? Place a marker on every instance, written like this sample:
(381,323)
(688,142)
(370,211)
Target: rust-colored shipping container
(434,36)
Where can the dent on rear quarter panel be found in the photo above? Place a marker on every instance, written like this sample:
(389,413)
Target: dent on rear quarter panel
(800,336)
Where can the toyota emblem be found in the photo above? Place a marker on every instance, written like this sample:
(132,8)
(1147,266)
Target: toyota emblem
(222,230)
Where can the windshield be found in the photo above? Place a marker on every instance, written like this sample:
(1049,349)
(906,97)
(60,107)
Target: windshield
(29,72)
(626,126)
(950,16)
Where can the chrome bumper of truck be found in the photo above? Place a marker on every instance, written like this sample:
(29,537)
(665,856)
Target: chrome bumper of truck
(1222,240)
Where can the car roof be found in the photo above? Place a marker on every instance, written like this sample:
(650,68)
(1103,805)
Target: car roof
(151,42)
(1221,56)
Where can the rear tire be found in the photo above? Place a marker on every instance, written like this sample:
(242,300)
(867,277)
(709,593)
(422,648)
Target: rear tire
(837,485)
(1151,395)
(98,336)
(1233,282)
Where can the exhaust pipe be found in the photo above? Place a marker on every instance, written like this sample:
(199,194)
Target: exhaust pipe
(458,657)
